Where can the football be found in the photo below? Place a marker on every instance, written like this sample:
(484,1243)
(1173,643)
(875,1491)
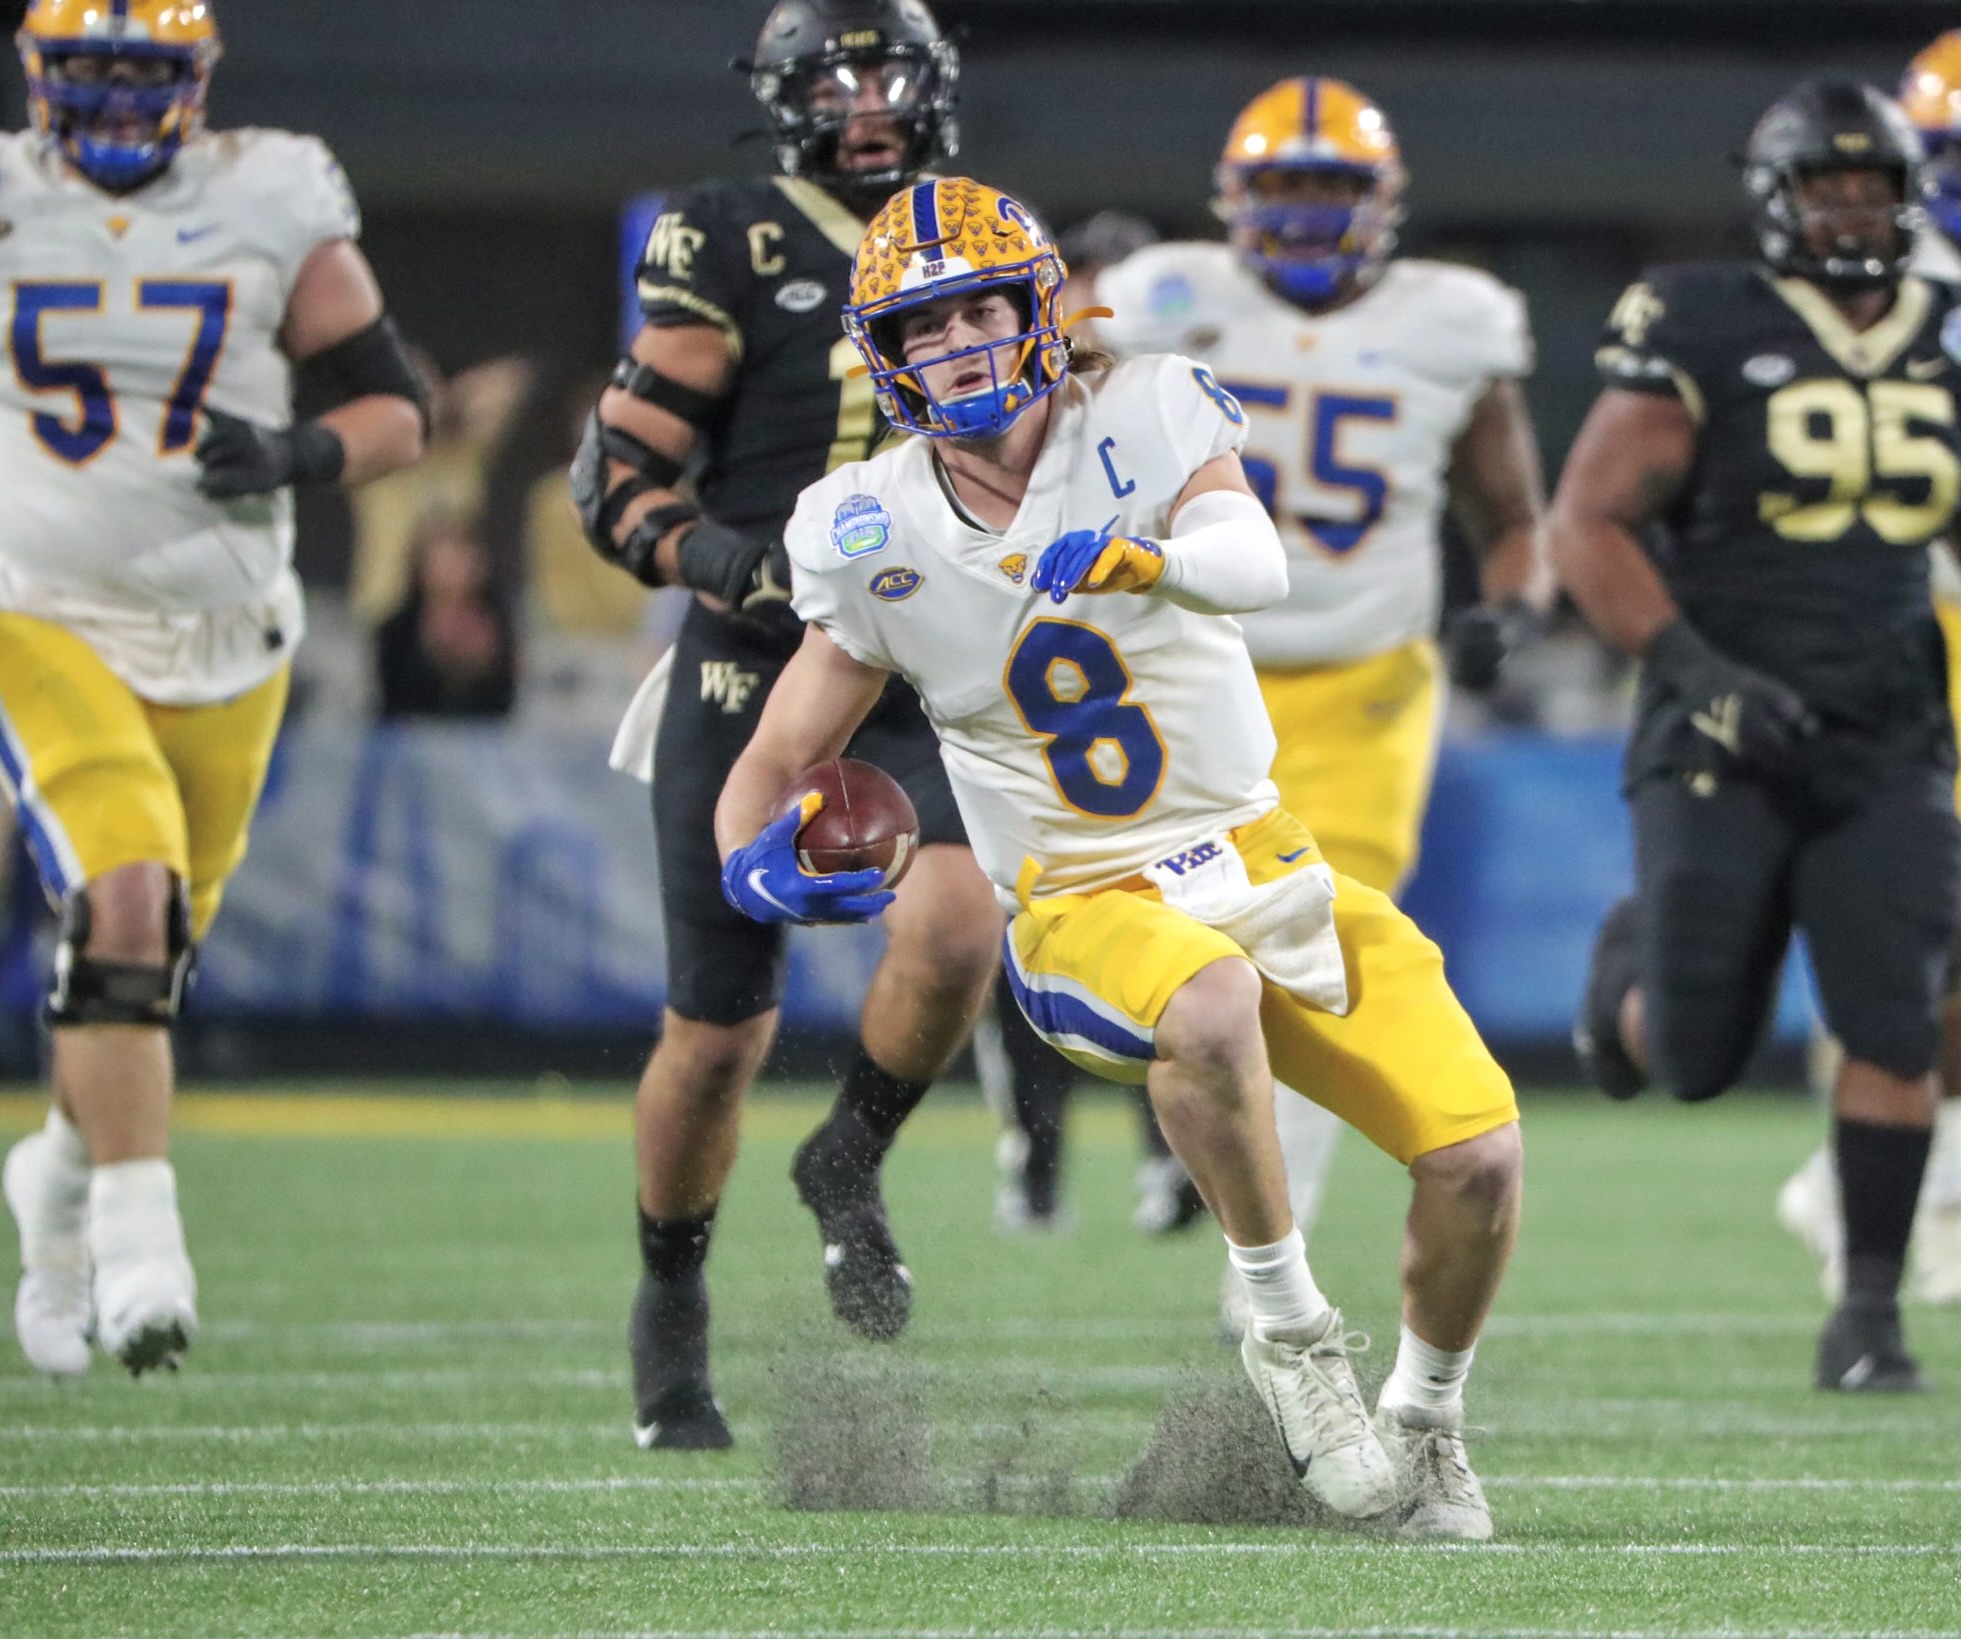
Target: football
(867,822)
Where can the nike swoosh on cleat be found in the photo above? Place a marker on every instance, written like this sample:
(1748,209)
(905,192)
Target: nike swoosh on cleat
(1288,859)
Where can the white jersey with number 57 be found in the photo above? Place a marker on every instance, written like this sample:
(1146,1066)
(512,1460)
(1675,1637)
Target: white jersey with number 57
(1086,740)
(126,316)
(1352,417)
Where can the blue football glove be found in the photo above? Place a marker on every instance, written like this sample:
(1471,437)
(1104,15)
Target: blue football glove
(764,881)
(1087,560)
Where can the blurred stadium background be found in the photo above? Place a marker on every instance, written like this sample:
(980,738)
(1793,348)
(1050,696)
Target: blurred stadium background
(480,894)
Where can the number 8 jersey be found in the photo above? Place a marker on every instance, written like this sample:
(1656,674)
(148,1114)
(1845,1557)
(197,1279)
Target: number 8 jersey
(126,315)
(1083,740)
(1826,461)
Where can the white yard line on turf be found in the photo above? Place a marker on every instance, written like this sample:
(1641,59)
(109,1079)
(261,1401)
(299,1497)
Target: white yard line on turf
(1234,1633)
(649,1482)
(947,1550)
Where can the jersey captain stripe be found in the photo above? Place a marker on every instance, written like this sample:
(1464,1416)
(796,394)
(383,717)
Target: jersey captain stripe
(925,213)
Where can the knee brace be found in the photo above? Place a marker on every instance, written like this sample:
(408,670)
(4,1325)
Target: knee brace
(90,990)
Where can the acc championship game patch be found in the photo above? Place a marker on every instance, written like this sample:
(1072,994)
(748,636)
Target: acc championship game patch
(860,526)
(896,584)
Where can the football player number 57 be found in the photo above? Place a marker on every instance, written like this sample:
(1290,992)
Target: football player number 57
(92,422)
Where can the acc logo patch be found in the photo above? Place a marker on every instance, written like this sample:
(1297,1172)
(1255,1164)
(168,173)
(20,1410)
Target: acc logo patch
(897,584)
(1951,334)
(800,296)
(1769,370)
(860,527)
(1015,565)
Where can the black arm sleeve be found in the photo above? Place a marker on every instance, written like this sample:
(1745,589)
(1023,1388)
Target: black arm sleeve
(371,361)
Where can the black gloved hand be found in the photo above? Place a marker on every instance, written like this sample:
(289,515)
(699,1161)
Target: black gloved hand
(1477,640)
(237,457)
(1758,722)
(744,571)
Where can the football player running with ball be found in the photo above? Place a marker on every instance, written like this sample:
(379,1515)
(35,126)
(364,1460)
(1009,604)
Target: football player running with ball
(1808,1204)
(1375,391)
(1052,565)
(164,282)
(740,376)
(1787,428)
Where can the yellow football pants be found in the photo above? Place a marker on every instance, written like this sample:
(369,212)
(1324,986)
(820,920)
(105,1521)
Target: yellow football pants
(103,778)
(1358,747)
(1406,1067)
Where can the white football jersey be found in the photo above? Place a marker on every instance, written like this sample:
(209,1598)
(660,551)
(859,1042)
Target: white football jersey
(1352,417)
(1092,737)
(129,314)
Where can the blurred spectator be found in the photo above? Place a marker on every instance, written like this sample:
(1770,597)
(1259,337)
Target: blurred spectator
(451,649)
(469,415)
(1093,244)
(573,590)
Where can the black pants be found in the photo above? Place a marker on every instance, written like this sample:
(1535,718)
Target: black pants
(1726,870)
(723,968)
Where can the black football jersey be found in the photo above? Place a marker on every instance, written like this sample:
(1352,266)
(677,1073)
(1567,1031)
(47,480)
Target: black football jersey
(768,261)
(1827,459)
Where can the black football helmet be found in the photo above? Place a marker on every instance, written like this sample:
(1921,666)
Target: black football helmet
(813,59)
(1832,125)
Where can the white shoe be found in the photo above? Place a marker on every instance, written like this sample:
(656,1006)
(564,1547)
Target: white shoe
(1808,1209)
(1446,1502)
(49,1201)
(145,1290)
(1304,1380)
(1935,1253)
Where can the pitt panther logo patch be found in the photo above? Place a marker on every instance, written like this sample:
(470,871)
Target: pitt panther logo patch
(1015,567)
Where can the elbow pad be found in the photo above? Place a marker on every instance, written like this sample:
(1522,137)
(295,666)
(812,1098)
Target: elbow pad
(371,362)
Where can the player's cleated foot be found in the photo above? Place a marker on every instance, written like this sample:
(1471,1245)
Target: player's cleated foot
(1934,1274)
(687,1417)
(1862,1352)
(1025,1200)
(1611,974)
(146,1311)
(1808,1211)
(869,1286)
(49,1201)
(674,1409)
(144,1289)
(1446,1503)
(1308,1388)
(1167,1199)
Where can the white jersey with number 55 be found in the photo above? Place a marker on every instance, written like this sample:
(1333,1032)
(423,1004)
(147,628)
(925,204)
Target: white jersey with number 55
(1085,740)
(1352,416)
(126,316)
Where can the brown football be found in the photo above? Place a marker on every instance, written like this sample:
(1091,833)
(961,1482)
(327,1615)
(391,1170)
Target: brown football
(866,824)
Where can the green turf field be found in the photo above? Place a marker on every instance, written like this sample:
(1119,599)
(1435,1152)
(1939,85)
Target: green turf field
(408,1411)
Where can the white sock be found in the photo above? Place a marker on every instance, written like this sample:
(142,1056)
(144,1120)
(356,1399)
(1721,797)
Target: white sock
(1427,1378)
(133,1212)
(1942,1186)
(1282,1293)
(65,1140)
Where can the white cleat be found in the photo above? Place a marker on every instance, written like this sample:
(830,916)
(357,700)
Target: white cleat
(1935,1253)
(145,1290)
(1446,1503)
(1308,1389)
(1808,1210)
(49,1202)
